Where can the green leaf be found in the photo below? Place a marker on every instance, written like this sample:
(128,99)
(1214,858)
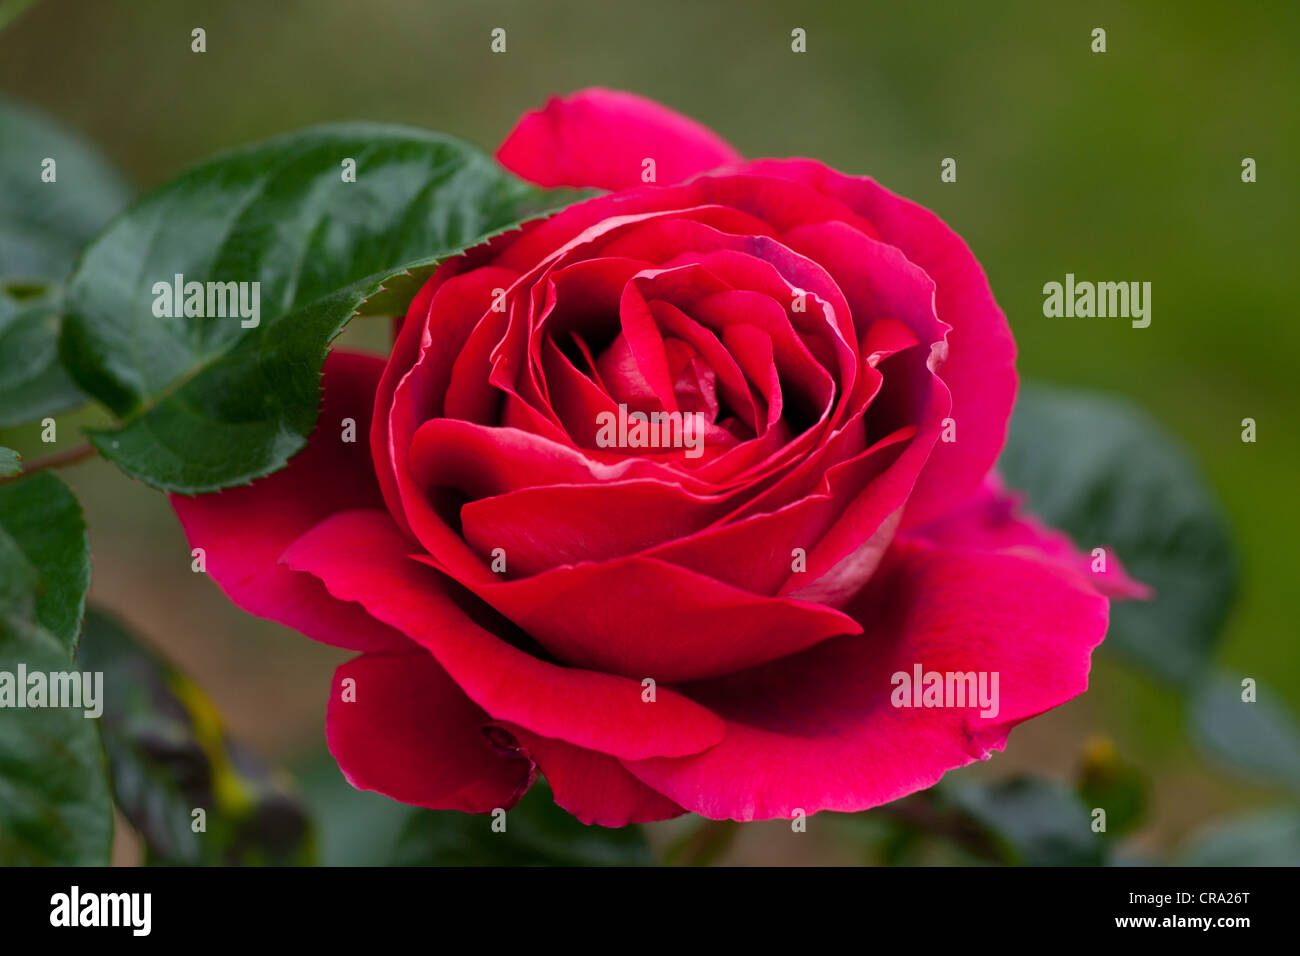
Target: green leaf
(18,580)
(1258,737)
(33,383)
(363,828)
(1105,473)
(43,520)
(538,833)
(205,403)
(1040,823)
(54,802)
(1261,839)
(10,462)
(245,414)
(169,755)
(353,827)
(44,225)
(55,808)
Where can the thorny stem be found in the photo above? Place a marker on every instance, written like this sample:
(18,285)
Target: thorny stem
(58,460)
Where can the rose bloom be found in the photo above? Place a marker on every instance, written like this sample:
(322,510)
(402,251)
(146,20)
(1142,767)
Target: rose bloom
(660,629)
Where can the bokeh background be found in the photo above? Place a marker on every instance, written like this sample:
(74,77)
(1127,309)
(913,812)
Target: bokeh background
(1121,166)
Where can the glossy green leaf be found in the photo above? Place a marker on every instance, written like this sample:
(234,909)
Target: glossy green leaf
(10,462)
(363,828)
(353,827)
(43,519)
(245,414)
(33,383)
(205,402)
(44,225)
(538,833)
(1105,473)
(18,580)
(55,808)
(54,802)
(1258,737)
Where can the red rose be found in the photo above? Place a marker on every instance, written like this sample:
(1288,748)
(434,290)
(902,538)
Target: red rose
(516,578)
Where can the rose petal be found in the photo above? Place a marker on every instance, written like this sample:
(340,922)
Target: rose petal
(819,732)
(593,787)
(544,527)
(598,137)
(404,729)
(244,530)
(360,556)
(992,520)
(756,552)
(642,617)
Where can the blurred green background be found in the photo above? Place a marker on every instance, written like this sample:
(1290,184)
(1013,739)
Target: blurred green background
(1117,166)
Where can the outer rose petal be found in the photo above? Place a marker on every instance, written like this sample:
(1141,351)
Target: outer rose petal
(243,531)
(992,521)
(360,556)
(594,787)
(818,731)
(598,137)
(412,735)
